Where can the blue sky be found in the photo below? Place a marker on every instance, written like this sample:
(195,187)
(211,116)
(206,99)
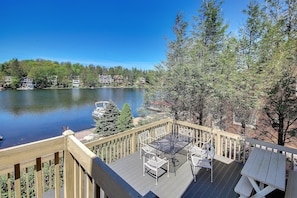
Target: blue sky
(109,33)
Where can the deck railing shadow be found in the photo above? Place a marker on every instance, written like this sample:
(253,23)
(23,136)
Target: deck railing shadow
(81,169)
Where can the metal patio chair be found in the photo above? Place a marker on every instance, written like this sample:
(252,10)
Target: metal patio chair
(203,160)
(151,162)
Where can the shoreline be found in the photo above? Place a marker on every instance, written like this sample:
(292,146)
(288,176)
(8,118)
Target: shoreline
(83,134)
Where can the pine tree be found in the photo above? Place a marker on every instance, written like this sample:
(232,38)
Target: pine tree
(281,107)
(107,124)
(125,120)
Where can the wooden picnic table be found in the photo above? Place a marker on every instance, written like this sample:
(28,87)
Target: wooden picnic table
(266,171)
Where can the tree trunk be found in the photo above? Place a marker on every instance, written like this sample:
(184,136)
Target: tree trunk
(280,139)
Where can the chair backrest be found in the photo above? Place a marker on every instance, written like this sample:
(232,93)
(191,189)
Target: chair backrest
(186,132)
(210,151)
(160,132)
(144,137)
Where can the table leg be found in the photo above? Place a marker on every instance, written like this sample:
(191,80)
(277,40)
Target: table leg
(264,192)
(254,184)
(260,191)
(174,162)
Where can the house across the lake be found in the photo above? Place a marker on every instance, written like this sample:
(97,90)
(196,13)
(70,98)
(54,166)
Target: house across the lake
(26,84)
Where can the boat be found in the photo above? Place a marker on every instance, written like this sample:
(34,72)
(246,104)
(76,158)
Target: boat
(1,137)
(99,110)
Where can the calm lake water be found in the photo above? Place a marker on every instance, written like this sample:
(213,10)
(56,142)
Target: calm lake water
(27,116)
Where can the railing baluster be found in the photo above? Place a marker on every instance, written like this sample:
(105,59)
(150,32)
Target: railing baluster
(17,180)
(9,184)
(57,175)
(76,178)
(27,182)
(89,186)
(38,178)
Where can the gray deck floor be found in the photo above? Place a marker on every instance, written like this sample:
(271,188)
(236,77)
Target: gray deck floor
(226,175)
(181,184)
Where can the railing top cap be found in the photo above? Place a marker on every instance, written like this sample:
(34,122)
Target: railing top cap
(68,132)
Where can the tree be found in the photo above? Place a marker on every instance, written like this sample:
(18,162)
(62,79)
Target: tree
(107,124)
(39,74)
(208,38)
(15,69)
(169,80)
(279,47)
(247,75)
(251,34)
(210,27)
(281,107)
(125,120)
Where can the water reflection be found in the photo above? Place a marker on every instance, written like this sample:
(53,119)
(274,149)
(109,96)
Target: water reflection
(27,116)
(38,101)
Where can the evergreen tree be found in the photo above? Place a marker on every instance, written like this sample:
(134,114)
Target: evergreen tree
(125,120)
(247,77)
(281,107)
(209,41)
(107,124)
(279,60)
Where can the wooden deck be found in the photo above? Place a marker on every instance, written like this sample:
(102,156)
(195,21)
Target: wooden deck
(181,184)
(226,175)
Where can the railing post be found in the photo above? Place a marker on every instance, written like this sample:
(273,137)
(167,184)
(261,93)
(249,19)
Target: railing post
(218,142)
(169,127)
(69,185)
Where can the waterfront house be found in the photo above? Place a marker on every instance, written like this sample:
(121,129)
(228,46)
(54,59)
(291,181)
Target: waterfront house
(105,79)
(8,80)
(111,167)
(118,79)
(26,84)
(76,82)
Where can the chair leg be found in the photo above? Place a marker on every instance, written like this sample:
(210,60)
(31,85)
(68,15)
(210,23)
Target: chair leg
(194,175)
(157,176)
(211,172)
(211,176)
(140,153)
(143,166)
(168,169)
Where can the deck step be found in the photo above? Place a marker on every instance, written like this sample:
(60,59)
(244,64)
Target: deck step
(244,187)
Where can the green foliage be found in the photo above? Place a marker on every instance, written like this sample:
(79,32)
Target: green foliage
(281,107)
(41,71)
(107,123)
(125,120)
(209,73)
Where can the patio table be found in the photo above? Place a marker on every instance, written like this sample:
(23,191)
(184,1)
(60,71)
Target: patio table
(171,144)
(266,171)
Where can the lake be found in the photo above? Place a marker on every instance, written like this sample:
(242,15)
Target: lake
(32,115)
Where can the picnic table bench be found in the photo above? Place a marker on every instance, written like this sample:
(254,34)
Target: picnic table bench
(291,188)
(244,188)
